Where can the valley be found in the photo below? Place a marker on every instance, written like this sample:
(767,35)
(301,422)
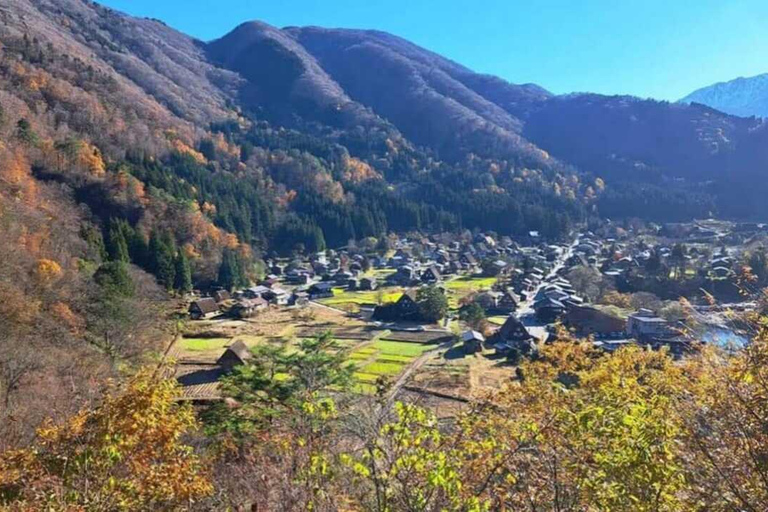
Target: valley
(328,269)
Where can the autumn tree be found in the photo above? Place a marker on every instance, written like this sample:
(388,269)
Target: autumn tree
(125,454)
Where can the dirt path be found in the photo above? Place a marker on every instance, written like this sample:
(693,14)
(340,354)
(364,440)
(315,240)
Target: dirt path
(418,363)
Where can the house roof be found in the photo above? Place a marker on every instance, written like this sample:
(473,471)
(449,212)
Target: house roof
(206,305)
(239,350)
(472,335)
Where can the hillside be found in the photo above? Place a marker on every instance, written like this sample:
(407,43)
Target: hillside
(162,162)
(742,96)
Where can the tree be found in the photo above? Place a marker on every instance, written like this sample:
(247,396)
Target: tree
(653,264)
(117,245)
(316,368)
(161,259)
(25,133)
(125,454)
(678,257)
(114,277)
(474,315)
(230,275)
(433,305)
(183,273)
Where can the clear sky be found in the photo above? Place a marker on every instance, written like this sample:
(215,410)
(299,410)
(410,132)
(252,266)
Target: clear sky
(650,48)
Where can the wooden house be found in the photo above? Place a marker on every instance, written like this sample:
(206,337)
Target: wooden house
(236,354)
(203,308)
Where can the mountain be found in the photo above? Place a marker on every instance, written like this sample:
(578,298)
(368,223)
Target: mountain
(743,97)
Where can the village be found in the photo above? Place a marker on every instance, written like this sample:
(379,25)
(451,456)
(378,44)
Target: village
(449,316)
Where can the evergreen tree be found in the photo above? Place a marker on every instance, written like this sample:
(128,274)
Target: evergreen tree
(183,277)
(161,260)
(117,245)
(230,276)
(114,277)
(25,133)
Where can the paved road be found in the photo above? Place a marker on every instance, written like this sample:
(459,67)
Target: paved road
(525,312)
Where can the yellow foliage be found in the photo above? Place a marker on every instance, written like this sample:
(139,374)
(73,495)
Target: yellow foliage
(47,271)
(126,454)
(90,158)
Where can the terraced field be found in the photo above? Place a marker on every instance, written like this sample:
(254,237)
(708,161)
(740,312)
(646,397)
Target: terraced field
(383,358)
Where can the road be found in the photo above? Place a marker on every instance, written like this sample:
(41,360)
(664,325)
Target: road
(526,313)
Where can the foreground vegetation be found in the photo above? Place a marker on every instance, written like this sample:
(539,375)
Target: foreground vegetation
(578,430)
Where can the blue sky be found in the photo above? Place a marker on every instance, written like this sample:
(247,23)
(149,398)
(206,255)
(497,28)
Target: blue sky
(650,48)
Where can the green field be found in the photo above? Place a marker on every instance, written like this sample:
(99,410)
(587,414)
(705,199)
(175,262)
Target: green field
(463,286)
(383,358)
(401,348)
(365,377)
(383,368)
(342,296)
(203,344)
(497,320)
(468,283)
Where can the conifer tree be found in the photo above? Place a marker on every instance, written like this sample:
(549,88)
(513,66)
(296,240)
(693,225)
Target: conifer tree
(117,246)
(183,277)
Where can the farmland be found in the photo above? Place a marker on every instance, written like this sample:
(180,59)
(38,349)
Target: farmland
(462,287)
(383,358)
(341,297)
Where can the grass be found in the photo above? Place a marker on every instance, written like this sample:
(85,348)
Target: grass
(394,358)
(463,286)
(203,344)
(365,377)
(468,283)
(342,296)
(364,388)
(382,368)
(387,357)
(401,348)
(497,320)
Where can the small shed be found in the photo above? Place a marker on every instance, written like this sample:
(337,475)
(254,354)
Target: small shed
(473,342)
(236,354)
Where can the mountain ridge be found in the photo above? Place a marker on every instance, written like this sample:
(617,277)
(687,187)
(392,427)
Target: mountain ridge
(742,96)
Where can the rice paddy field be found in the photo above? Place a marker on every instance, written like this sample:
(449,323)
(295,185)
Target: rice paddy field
(385,358)
(203,344)
(341,296)
(459,288)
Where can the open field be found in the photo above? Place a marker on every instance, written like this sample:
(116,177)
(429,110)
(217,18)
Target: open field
(206,341)
(461,287)
(418,336)
(498,320)
(342,296)
(383,358)
(471,283)
(468,376)
(203,344)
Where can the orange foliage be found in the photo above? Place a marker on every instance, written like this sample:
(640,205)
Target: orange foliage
(63,313)
(90,158)
(356,170)
(16,173)
(184,149)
